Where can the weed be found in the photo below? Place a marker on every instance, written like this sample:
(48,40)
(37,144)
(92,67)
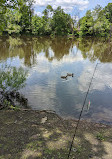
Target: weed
(48,151)
(100,136)
(14,108)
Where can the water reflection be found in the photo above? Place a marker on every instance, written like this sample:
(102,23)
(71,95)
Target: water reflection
(102,77)
(57,48)
(96,49)
(48,59)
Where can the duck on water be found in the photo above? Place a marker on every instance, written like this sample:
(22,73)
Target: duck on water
(64,77)
(68,74)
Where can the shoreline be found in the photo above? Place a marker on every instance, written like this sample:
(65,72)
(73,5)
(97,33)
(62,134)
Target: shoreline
(88,120)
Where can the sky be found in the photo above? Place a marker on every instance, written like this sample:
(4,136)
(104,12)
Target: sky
(73,7)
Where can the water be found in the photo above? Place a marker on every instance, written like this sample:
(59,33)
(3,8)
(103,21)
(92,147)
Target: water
(48,59)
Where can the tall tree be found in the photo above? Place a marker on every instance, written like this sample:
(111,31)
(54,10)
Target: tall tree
(26,11)
(108,12)
(48,13)
(4,4)
(12,20)
(38,25)
(86,24)
(61,22)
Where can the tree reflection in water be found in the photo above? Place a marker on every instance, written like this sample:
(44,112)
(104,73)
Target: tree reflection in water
(28,48)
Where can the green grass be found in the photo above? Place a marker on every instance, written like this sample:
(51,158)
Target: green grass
(100,136)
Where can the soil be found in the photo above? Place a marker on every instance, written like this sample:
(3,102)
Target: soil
(28,134)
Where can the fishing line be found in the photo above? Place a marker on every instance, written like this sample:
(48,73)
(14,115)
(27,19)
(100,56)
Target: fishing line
(81,111)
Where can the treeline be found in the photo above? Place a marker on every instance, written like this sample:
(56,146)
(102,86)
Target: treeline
(17,17)
(97,22)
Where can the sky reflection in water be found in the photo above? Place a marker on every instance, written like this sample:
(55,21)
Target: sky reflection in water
(48,59)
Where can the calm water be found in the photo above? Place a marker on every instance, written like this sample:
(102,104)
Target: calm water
(48,59)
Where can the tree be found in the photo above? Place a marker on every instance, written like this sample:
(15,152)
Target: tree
(61,22)
(96,22)
(4,4)
(48,13)
(37,25)
(108,12)
(26,11)
(96,13)
(102,26)
(17,16)
(101,22)
(13,18)
(86,24)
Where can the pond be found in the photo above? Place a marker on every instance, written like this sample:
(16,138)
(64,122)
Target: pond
(48,59)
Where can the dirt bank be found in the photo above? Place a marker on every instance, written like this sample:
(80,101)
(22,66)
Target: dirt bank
(33,134)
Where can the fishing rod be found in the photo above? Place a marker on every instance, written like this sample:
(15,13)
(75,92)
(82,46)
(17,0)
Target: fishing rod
(81,111)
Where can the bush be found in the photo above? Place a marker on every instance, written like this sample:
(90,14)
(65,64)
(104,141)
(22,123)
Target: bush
(11,80)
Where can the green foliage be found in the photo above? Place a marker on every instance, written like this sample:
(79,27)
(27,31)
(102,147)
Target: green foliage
(100,136)
(96,22)
(108,12)
(12,78)
(4,5)
(6,103)
(54,22)
(37,25)
(13,19)
(25,18)
(61,23)
(102,27)
(17,17)
(86,24)
(75,31)
(14,108)
(2,12)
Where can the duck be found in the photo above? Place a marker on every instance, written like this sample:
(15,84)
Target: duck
(64,77)
(70,74)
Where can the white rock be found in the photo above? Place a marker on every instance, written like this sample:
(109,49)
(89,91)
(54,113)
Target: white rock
(44,120)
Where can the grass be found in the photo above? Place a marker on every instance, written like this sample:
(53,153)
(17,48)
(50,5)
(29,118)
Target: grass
(100,136)
(29,138)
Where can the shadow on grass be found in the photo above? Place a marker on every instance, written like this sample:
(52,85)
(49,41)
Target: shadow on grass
(33,135)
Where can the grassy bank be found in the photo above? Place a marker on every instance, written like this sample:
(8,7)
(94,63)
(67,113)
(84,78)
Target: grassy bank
(33,134)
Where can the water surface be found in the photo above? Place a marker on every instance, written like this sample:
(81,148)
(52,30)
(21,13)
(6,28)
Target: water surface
(48,59)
